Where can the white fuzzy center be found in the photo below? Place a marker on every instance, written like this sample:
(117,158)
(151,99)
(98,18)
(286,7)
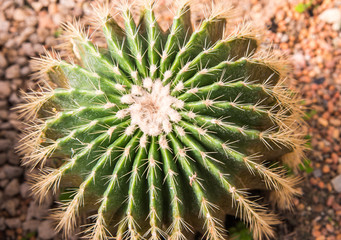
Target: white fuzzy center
(152,107)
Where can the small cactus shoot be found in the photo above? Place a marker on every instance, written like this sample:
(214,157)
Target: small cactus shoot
(162,133)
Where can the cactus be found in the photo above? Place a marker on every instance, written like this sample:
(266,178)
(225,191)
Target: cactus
(163,133)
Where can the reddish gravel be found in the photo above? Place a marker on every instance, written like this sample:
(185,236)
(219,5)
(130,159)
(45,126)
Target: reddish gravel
(315,47)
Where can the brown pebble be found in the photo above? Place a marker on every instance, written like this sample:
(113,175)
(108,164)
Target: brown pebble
(329,160)
(321,238)
(316,233)
(13,72)
(5,89)
(330,200)
(313,181)
(326,169)
(329,227)
(323,122)
(301,207)
(321,184)
(336,134)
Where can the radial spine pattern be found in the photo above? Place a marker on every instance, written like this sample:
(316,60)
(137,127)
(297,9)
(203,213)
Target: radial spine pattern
(164,132)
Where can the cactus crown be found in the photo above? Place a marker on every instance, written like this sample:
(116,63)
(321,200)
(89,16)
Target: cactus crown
(163,132)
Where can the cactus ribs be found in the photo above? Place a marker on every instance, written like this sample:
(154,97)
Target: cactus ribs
(164,132)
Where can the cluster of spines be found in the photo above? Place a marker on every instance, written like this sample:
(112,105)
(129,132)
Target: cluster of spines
(189,76)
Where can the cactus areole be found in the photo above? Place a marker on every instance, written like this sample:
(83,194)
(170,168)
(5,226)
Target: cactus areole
(162,133)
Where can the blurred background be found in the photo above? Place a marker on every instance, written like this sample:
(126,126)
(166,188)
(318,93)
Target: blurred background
(308,31)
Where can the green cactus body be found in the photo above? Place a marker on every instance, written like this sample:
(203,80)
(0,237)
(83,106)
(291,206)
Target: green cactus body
(163,133)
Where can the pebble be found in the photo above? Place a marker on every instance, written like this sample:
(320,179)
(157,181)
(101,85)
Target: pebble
(68,3)
(323,122)
(25,71)
(4,183)
(31,225)
(336,182)
(317,173)
(3,105)
(299,60)
(25,190)
(22,61)
(31,21)
(44,23)
(3,114)
(37,211)
(19,3)
(336,134)
(333,16)
(13,72)
(3,61)
(19,14)
(12,171)
(326,169)
(10,44)
(13,223)
(5,144)
(11,206)
(5,89)
(45,231)
(36,6)
(28,49)
(2,174)
(4,26)
(10,135)
(12,188)
(24,35)
(330,201)
(14,99)
(13,158)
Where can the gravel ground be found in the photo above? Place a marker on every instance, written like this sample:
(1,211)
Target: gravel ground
(312,38)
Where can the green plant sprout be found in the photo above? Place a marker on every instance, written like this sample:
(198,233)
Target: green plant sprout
(302,7)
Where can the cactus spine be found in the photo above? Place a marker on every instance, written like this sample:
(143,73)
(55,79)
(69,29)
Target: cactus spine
(164,132)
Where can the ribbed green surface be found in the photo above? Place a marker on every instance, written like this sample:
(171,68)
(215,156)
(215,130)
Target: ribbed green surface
(230,133)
